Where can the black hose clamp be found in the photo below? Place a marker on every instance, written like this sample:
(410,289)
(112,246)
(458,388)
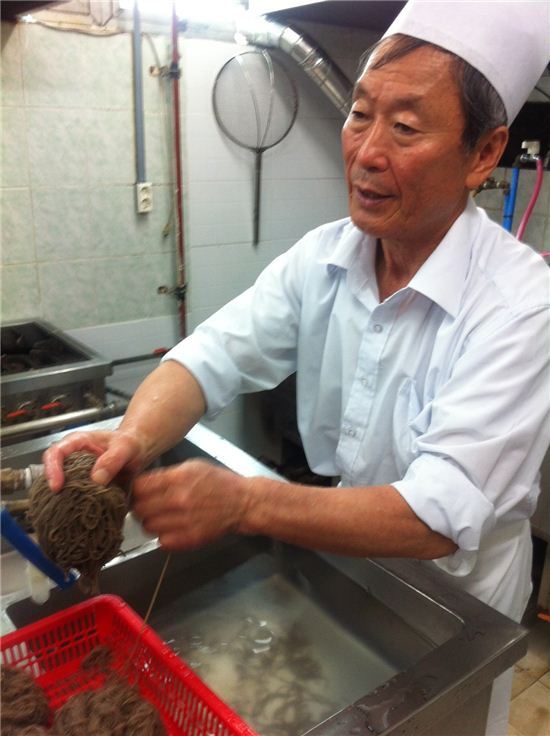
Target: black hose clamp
(174,70)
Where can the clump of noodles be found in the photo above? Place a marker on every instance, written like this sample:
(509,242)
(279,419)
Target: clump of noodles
(80,527)
(116,708)
(25,708)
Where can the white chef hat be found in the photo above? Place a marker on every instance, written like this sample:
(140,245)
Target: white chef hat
(508,41)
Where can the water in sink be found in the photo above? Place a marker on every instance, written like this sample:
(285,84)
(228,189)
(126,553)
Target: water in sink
(268,650)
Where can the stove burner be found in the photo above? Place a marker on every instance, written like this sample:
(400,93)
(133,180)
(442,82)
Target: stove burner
(15,363)
(32,349)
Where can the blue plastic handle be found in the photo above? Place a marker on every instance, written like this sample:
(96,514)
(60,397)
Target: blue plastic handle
(19,539)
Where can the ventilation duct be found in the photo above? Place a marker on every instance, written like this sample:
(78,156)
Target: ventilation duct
(258,31)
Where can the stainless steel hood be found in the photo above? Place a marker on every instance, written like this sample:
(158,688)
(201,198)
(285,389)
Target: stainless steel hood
(372,15)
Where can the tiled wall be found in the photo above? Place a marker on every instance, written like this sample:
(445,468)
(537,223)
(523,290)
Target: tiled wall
(74,250)
(302,185)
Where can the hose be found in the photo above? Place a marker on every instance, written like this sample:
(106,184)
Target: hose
(532,201)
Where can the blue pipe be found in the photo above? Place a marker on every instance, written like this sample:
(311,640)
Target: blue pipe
(138,97)
(510,201)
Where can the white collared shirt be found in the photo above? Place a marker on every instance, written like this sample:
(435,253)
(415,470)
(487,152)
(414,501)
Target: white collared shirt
(441,390)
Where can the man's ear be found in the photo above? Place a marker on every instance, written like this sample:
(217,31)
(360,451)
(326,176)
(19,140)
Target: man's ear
(486,155)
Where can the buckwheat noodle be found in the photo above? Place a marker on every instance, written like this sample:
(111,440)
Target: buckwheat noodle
(80,527)
(24,703)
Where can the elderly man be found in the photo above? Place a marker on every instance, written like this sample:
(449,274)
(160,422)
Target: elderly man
(418,329)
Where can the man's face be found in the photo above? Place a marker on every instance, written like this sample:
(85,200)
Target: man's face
(405,164)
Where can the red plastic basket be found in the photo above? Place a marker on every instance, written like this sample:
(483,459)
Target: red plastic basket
(53,648)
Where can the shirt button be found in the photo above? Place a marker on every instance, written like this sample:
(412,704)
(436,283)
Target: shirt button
(350,431)
(378,328)
(368,381)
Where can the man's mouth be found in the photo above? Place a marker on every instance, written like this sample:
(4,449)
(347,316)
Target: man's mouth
(371,196)
(372,193)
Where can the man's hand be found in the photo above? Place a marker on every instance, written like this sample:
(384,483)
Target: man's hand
(119,454)
(190,504)
(163,409)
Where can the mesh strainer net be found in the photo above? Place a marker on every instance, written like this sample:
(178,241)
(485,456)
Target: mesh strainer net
(255,104)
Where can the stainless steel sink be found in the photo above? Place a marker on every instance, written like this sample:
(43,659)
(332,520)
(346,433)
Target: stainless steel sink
(299,641)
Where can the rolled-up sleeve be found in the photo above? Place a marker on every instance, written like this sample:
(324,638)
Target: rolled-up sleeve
(250,343)
(486,433)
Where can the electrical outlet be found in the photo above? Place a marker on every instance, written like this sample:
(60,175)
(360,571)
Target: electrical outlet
(144,196)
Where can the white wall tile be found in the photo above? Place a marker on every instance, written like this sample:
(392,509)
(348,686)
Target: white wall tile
(110,147)
(159,150)
(311,151)
(526,188)
(20,292)
(55,67)
(127,287)
(109,72)
(17,233)
(119,230)
(112,212)
(69,294)
(201,61)
(14,170)
(62,225)
(210,157)
(545,245)
(12,81)
(534,232)
(58,146)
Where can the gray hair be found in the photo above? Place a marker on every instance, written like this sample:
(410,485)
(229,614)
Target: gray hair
(481,104)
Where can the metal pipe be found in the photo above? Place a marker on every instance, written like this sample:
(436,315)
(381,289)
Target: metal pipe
(258,31)
(318,67)
(138,97)
(154,355)
(83,416)
(175,74)
(118,392)
(18,479)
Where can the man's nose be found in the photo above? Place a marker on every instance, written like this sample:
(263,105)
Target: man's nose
(374,149)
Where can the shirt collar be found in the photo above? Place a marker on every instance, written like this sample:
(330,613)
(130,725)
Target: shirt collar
(440,278)
(347,249)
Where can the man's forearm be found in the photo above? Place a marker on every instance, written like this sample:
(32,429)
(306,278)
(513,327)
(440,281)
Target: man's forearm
(366,521)
(163,409)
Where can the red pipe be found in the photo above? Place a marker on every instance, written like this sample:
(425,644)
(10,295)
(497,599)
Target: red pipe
(175,74)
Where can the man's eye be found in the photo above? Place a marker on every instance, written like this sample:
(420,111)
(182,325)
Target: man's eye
(403,128)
